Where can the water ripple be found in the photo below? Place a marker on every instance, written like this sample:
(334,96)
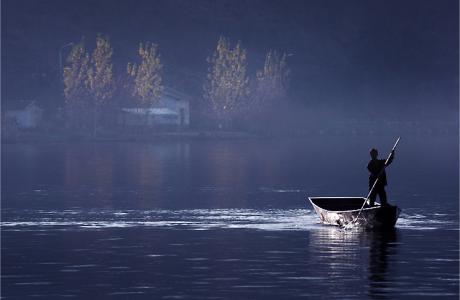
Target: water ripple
(199,219)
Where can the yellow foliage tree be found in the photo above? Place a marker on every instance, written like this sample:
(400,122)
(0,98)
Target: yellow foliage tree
(227,85)
(75,77)
(100,81)
(100,77)
(146,77)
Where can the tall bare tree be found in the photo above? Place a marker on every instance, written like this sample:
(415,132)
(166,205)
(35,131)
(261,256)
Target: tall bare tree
(227,85)
(271,80)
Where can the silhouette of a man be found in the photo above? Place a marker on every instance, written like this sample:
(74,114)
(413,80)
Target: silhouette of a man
(376,168)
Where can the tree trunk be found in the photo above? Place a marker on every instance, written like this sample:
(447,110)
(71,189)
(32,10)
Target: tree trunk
(95,122)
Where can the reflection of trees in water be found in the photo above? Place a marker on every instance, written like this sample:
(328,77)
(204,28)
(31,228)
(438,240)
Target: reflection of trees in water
(382,245)
(88,168)
(150,168)
(98,169)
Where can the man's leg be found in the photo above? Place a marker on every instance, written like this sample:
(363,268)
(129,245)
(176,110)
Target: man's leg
(383,196)
(372,197)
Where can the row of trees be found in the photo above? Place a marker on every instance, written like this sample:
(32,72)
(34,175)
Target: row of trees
(89,82)
(233,95)
(229,93)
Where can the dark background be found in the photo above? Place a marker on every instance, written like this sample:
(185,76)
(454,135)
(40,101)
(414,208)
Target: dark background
(377,59)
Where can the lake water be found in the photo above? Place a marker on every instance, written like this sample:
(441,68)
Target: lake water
(224,220)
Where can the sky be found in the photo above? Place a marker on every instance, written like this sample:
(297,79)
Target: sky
(363,57)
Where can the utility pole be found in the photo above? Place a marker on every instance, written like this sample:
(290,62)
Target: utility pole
(60,54)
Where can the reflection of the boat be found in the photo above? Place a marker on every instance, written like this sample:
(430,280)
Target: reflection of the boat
(382,246)
(335,248)
(343,252)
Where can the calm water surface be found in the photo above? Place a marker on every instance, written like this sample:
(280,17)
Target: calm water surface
(224,220)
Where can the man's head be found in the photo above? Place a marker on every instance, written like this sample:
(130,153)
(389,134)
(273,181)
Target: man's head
(374,153)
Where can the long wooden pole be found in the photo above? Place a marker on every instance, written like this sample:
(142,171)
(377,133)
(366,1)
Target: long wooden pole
(376,180)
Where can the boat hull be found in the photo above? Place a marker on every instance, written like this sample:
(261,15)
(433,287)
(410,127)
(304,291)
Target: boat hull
(341,211)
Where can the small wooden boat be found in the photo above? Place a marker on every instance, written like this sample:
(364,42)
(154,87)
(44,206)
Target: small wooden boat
(342,211)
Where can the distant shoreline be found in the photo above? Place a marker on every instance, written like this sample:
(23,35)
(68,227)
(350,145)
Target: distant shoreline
(140,137)
(42,137)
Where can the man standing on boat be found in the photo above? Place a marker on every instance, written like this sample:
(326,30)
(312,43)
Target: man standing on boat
(376,168)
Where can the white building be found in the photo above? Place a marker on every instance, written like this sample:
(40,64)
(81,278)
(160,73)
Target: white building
(173,109)
(27,115)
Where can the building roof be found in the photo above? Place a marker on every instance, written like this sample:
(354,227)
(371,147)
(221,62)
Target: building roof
(173,93)
(150,111)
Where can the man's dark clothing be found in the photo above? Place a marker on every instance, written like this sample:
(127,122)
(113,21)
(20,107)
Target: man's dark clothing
(378,190)
(375,166)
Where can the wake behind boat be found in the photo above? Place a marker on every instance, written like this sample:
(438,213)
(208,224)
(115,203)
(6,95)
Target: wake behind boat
(341,211)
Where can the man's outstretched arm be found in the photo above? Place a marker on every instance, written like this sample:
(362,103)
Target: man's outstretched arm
(390,160)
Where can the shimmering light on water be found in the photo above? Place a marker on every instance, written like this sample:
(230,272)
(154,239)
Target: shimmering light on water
(199,219)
